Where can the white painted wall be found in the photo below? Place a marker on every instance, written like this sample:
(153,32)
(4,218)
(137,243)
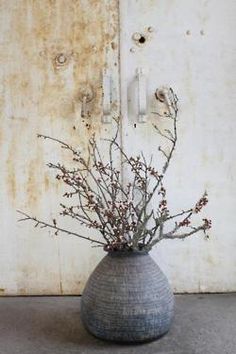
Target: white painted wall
(192,49)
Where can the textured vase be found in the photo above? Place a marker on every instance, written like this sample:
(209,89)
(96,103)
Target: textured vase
(127,299)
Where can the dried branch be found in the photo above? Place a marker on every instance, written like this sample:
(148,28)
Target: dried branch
(122,212)
(57,229)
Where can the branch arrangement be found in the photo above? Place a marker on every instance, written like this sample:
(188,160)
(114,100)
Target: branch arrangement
(123,213)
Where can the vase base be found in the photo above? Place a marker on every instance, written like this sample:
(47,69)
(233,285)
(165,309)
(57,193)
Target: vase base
(126,341)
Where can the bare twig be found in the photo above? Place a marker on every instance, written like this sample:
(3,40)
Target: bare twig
(43,224)
(121,212)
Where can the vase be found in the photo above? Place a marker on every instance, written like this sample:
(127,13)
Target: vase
(127,299)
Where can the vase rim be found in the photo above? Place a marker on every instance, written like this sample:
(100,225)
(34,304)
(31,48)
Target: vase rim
(118,253)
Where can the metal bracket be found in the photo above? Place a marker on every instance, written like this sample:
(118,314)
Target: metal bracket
(162,94)
(142,96)
(107,96)
(86,95)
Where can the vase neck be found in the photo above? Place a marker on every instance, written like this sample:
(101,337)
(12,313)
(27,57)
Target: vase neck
(127,253)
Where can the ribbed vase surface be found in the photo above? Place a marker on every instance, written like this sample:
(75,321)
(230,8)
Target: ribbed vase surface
(127,299)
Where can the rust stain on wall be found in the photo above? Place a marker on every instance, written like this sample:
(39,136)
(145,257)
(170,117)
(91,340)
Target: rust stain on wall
(50,50)
(11,172)
(38,87)
(33,187)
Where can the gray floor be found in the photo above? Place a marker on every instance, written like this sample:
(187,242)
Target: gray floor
(203,324)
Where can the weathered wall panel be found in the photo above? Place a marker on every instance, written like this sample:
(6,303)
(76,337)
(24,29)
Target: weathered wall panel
(190,47)
(50,51)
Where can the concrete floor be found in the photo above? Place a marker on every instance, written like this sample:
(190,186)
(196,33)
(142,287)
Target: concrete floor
(203,324)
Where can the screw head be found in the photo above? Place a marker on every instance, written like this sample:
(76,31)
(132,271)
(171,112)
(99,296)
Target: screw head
(61,59)
(86,92)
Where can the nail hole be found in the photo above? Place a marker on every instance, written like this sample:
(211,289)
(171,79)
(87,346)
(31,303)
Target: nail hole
(142,40)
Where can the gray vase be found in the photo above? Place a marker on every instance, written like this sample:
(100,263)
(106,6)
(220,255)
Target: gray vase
(127,299)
